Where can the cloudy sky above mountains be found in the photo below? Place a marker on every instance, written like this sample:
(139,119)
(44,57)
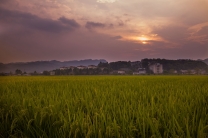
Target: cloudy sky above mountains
(109,29)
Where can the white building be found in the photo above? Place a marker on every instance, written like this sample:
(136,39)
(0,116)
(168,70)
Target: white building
(52,73)
(81,67)
(92,67)
(156,68)
(121,72)
(184,71)
(142,70)
(72,67)
(63,68)
(175,71)
(136,73)
(103,68)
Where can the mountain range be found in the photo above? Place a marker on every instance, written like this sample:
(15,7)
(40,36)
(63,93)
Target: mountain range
(205,61)
(40,66)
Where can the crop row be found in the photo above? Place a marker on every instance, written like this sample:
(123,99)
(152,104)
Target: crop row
(104,106)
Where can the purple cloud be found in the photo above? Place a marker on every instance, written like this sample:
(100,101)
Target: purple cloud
(91,25)
(34,22)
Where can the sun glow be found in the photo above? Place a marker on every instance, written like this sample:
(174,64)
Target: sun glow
(143,39)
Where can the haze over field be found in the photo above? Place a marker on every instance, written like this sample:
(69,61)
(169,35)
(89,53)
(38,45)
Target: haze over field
(102,29)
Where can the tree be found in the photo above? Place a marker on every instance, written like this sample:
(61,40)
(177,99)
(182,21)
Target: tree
(46,73)
(197,70)
(103,65)
(206,70)
(18,71)
(171,71)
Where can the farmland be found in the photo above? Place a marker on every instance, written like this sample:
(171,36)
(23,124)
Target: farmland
(104,106)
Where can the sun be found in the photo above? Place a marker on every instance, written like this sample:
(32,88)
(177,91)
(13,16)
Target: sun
(143,39)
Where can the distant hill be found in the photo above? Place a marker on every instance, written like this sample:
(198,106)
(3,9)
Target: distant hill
(205,61)
(40,66)
(180,64)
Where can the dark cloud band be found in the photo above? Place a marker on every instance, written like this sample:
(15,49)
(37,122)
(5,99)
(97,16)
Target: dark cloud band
(34,22)
(91,25)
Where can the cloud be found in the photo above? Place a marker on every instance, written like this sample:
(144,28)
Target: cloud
(171,33)
(199,34)
(203,31)
(3,1)
(117,37)
(197,27)
(44,28)
(70,22)
(34,22)
(106,1)
(91,25)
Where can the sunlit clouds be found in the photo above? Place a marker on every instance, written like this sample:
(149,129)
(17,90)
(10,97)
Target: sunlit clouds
(109,29)
(106,1)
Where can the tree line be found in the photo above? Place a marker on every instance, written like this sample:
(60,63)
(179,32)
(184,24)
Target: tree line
(104,68)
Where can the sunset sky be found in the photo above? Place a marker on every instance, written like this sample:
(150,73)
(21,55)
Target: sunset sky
(114,30)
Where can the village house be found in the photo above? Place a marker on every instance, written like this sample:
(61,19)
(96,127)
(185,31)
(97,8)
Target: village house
(102,68)
(81,67)
(72,67)
(121,72)
(157,68)
(202,72)
(193,72)
(136,73)
(188,72)
(142,70)
(52,73)
(184,71)
(63,68)
(92,67)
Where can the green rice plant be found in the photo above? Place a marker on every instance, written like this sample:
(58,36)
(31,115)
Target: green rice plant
(104,106)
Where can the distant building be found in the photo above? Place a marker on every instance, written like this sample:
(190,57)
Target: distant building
(63,68)
(202,72)
(92,67)
(72,67)
(184,71)
(81,67)
(193,71)
(121,72)
(175,71)
(157,68)
(188,72)
(52,73)
(142,70)
(136,73)
(102,68)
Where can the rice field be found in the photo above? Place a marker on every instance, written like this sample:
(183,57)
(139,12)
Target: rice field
(104,106)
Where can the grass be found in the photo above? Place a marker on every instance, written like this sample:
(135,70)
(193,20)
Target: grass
(104,106)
